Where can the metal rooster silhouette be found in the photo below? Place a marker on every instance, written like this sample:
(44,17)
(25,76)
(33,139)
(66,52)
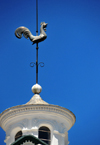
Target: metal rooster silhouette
(27,34)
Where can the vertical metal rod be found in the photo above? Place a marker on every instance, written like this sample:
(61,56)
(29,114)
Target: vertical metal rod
(37,17)
(37,43)
(37,63)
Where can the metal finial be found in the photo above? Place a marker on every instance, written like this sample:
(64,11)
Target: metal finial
(35,39)
(36,89)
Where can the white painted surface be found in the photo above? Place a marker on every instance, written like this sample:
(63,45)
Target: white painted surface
(29,118)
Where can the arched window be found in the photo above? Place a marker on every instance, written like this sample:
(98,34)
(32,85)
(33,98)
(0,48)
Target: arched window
(45,134)
(18,135)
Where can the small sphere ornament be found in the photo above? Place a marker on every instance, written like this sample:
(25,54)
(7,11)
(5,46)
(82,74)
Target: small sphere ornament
(36,89)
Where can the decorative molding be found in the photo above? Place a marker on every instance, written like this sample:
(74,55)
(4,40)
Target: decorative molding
(34,121)
(29,118)
(62,128)
(22,124)
(23,110)
(25,122)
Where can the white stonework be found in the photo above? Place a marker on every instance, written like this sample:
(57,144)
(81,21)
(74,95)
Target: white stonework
(29,118)
(37,113)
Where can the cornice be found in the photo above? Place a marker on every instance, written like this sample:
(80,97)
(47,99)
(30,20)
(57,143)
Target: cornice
(21,110)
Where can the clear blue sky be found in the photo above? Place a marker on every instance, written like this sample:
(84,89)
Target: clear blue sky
(71,53)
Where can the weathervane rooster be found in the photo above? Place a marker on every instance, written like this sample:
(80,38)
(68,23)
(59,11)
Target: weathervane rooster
(27,34)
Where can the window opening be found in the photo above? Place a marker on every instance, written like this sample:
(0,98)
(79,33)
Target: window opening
(44,134)
(18,135)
